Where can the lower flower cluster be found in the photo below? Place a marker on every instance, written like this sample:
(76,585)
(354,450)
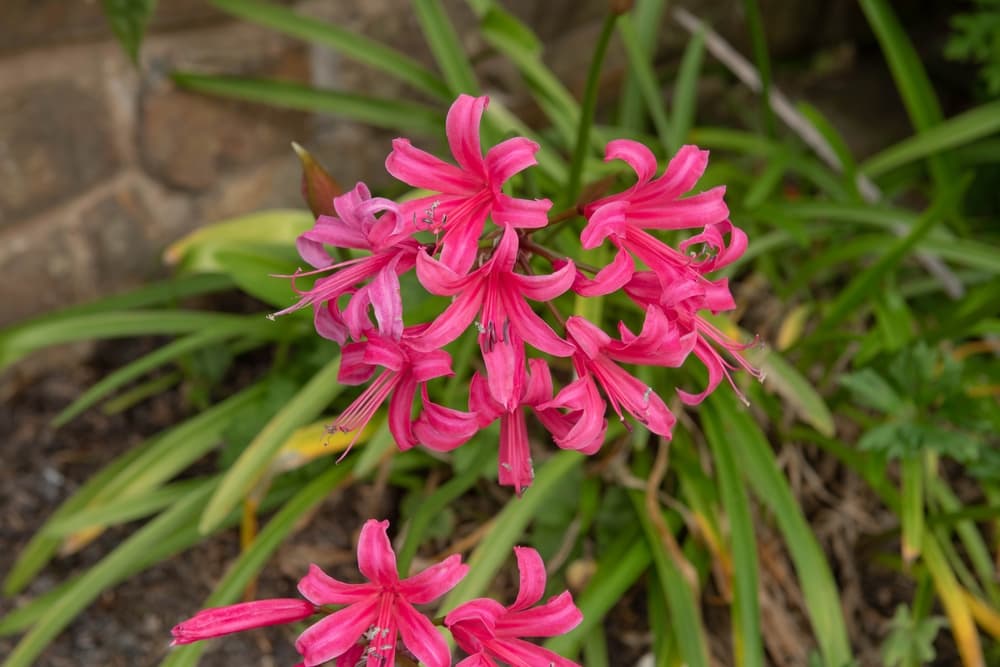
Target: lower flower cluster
(377,624)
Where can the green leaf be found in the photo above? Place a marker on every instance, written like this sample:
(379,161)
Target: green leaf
(911,79)
(348,42)
(873,391)
(757,462)
(42,546)
(685,101)
(508,527)
(199,250)
(866,283)
(391,114)
(912,498)
(647,16)
(685,615)
(18,342)
(645,78)
(106,573)
(122,510)
(256,269)
(253,559)
(911,640)
(446,47)
(617,571)
(254,325)
(128,19)
(955,132)
(306,405)
(748,647)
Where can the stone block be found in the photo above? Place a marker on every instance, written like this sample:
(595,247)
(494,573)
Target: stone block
(189,140)
(55,142)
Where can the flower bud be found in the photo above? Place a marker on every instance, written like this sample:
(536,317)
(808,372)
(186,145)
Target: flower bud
(318,187)
(219,621)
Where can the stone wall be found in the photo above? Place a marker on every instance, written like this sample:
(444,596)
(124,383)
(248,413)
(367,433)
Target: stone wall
(102,164)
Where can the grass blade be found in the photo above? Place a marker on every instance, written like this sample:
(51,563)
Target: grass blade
(390,114)
(447,49)
(685,102)
(348,42)
(252,560)
(305,406)
(508,527)
(104,574)
(616,572)
(955,132)
(911,79)
(648,16)
(747,645)
(756,460)
(912,514)
(254,325)
(645,78)
(18,342)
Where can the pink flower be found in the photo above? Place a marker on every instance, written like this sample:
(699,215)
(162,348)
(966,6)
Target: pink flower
(393,252)
(583,429)
(682,307)
(659,343)
(219,621)
(380,611)
(655,204)
(469,193)
(488,631)
(498,294)
(405,368)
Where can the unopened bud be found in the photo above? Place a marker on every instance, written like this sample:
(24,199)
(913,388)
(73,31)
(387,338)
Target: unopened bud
(318,187)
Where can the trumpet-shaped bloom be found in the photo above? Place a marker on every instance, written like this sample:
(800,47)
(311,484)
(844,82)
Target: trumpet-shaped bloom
(219,621)
(488,631)
(379,612)
(404,369)
(497,294)
(465,195)
(660,343)
(581,429)
(654,203)
(371,281)
(682,308)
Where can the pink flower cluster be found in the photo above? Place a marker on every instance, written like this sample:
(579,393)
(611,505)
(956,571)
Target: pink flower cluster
(379,615)
(487,272)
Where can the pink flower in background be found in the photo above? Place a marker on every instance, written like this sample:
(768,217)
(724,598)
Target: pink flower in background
(497,294)
(219,621)
(378,612)
(489,632)
(469,193)
(393,252)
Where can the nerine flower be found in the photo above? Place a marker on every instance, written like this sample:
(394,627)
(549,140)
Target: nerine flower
(581,429)
(489,632)
(378,612)
(656,204)
(497,294)
(404,369)
(465,195)
(597,356)
(393,252)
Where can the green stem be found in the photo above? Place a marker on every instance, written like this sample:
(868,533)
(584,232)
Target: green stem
(761,58)
(587,110)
